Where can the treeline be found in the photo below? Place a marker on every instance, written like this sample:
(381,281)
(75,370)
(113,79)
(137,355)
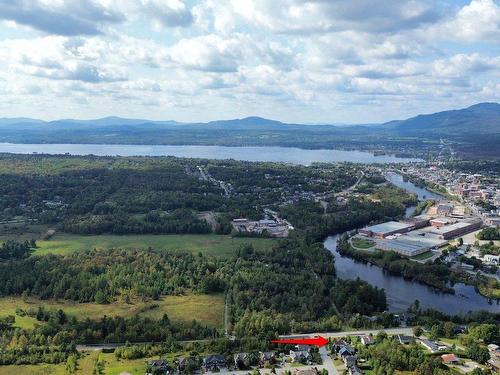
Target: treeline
(489,234)
(388,356)
(10,250)
(294,282)
(435,274)
(55,339)
(100,276)
(178,222)
(310,216)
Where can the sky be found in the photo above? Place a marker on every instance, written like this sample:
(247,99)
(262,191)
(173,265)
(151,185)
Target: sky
(300,61)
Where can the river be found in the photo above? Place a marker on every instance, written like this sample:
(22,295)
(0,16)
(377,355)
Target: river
(272,154)
(400,292)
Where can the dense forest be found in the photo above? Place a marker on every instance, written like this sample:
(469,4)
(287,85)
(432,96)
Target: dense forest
(96,195)
(377,203)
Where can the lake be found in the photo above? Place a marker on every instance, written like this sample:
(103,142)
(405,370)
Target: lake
(271,154)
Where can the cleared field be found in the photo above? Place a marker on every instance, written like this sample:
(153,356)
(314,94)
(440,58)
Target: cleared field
(207,309)
(208,244)
(112,366)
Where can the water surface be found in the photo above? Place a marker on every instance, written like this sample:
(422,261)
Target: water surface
(402,293)
(272,154)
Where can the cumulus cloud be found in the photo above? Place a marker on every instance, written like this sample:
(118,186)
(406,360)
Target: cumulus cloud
(69,17)
(169,13)
(477,21)
(309,60)
(316,16)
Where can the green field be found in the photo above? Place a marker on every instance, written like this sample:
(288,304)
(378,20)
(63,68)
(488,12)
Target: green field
(207,309)
(208,244)
(423,256)
(362,243)
(86,363)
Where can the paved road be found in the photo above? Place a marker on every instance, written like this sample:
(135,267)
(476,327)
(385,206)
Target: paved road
(389,331)
(327,361)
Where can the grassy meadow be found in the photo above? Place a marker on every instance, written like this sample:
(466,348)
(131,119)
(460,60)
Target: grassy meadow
(207,309)
(207,244)
(112,366)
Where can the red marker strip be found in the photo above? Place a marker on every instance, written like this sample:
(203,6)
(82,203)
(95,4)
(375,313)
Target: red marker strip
(317,341)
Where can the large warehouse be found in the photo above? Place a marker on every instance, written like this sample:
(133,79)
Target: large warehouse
(386,229)
(458,229)
(404,246)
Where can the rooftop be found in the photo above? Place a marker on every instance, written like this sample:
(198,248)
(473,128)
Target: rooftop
(388,227)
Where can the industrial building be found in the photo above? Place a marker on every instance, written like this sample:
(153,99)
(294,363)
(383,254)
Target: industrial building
(440,222)
(404,245)
(273,227)
(386,229)
(418,222)
(457,229)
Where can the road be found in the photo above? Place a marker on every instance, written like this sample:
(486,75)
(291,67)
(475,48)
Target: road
(389,331)
(327,361)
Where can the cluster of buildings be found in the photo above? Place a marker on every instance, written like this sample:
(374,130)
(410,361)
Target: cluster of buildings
(274,227)
(419,234)
(469,187)
(347,354)
(239,361)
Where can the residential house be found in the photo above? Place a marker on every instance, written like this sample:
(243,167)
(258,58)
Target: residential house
(431,345)
(183,363)
(403,339)
(367,340)
(158,367)
(300,356)
(267,358)
(301,348)
(346,351)
(241,361)
(458,329)
(214,362)
(449,359)
(350,360)
(338,344)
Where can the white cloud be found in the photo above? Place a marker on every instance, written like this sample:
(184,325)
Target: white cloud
(69,17)
(303,60)
(475,22)
(168,13)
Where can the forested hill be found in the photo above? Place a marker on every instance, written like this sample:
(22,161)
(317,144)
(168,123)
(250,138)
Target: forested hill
(483,118)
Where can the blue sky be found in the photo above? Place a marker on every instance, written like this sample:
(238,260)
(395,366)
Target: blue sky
(317,61)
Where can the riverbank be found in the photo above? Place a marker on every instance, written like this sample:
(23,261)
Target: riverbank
(435,276)
(451,296)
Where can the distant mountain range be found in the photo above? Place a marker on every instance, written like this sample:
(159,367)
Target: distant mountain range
(470,126)
(481,118)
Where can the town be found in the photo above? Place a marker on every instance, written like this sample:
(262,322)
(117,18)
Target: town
(353,353)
